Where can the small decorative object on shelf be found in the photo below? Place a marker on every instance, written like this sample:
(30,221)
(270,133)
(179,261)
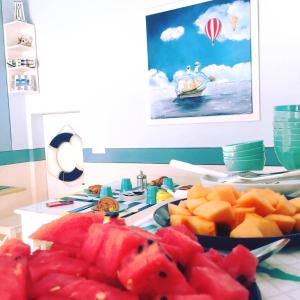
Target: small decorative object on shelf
(19,11)
(25,40)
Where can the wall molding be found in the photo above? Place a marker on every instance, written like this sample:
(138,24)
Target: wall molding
(198,156)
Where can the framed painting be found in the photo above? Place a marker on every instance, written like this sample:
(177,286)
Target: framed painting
(203,61)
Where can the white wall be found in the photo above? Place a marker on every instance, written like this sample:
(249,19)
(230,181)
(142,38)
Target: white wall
(92,57)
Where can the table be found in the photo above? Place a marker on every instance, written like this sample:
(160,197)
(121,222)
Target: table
(278,278)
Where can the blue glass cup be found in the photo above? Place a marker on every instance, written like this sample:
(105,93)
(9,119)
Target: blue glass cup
(126,185)
(151,194)
(168,182)
(106,191)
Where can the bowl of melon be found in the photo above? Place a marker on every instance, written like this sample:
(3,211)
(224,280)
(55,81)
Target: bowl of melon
(222,217)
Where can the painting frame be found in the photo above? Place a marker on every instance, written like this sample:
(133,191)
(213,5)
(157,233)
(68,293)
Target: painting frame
(255,82)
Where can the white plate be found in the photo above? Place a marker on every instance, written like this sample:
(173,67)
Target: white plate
(284,186)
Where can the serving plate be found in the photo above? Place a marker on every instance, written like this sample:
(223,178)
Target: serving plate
(283,186)
(162,217)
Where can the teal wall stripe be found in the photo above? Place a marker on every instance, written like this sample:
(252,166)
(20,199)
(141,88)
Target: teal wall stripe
(199,156)
(21,156)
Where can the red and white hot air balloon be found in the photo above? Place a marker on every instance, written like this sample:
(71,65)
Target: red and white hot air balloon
(213,28)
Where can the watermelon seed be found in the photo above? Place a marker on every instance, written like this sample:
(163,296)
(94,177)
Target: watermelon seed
(55,288)
(129,284)
(149,242)
(242,280)
(169,257)
(163,298)
(180,267)
(140,249)
(18,257)
(162,274)
(100,296)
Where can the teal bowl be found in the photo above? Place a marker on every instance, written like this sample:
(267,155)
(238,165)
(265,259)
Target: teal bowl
(235,165)
(287,108)
(243,146)
(250,152)
(289,116)
(287,144)
(289,131)
(286,125)
(237,156)
(288,157)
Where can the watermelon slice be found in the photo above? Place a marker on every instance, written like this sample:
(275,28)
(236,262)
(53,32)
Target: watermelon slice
(14,248)
(13,278)
(214,256)
(185,230)
(241,264)
(89,289)
(218,284)
(185,297)
(43,262)
(151,273)
(118,244)
(70,230)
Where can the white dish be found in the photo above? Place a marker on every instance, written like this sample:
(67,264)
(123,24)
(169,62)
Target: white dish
(284,186)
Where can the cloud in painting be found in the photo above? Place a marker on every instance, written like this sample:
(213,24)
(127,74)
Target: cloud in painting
(172,33)
(228,14)
(222,73)
(158,78)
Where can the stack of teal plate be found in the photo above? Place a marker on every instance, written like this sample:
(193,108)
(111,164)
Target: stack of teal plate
(286,130)
(247,156)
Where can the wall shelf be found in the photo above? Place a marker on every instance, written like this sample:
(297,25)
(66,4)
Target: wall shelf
(20,51)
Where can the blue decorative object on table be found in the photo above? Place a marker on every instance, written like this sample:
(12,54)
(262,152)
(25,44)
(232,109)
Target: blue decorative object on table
(151,194)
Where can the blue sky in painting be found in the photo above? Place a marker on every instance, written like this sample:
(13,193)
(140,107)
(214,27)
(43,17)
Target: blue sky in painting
(192,45)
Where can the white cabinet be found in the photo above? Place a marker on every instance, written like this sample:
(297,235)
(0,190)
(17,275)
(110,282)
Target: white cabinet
(21,58)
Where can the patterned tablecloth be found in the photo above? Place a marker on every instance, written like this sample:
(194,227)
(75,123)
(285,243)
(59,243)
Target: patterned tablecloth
(278,277)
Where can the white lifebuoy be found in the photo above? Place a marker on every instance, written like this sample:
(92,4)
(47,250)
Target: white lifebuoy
(65,157)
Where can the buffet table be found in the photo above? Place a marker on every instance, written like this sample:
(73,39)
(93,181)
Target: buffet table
(278,278)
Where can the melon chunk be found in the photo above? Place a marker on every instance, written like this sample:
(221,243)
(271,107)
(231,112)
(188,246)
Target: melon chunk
(191,204)
(177,210)
(297,224)
(239,214)
(182,204)
(201,226)
(296,202)
(216,211)
(284,207)
(177,219)
(246,229)
(266,227)
(222,193)
(197,191)
(256,199)
(285,223)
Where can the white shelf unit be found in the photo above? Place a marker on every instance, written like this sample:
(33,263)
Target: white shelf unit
(21,57)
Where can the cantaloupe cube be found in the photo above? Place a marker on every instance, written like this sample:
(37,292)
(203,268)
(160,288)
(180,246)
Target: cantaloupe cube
(258,200)
(284,207)
(197,191)
(247,229)
(272,196)
(285,223)
(191,204)
(265,226)
(177,210)
(297,224)
(201,226)
(177,219)
(222,193)
(216,211)
(182,204)
(296,203)
(239,214)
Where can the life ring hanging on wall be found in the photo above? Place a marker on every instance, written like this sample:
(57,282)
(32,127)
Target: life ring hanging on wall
(65,157)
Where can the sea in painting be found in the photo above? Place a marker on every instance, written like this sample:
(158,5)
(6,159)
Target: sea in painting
(199,60)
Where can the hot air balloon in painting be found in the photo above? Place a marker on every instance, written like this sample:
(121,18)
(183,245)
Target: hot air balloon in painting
(213,28)
(234,21)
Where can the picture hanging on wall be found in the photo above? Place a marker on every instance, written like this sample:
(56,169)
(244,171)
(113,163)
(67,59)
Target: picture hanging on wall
(203,61)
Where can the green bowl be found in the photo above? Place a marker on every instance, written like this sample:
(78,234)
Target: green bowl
(289,116)
(287,108)
(288,157)
(285,131)
(243,146)
(234,165)
(286,125)
(237,156)
(251,152)
(287,144)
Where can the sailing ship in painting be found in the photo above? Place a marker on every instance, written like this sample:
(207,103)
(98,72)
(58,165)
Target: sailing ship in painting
(191,83)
